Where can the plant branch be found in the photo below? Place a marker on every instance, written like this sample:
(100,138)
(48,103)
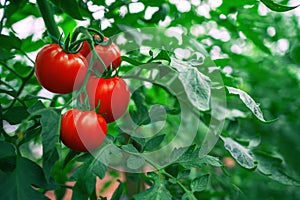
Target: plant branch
(48,18)
(179,183)
(11,70)
(25,54)
(24,81)
(16,98)
(9,86)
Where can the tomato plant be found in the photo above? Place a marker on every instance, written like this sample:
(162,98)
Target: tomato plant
(109,53)
(58,71)
(82,130)
(111,93)
(189,135)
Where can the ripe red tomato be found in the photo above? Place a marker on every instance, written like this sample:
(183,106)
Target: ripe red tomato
(113,95)
(58,71)
(110,55)
(82,130)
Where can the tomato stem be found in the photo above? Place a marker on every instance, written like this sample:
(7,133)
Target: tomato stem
(82,91)
(100,34)
(72,46)
(48,18)
(90,40)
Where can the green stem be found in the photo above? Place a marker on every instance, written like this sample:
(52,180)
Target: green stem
(48,18)
(24,81)
(8,85)
(26,55)
(133,183)
(94,57)
(11,70)
(15,96)
(179,183)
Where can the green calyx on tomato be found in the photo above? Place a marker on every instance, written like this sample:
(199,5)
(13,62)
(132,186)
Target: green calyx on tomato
(82,131)
(109,96)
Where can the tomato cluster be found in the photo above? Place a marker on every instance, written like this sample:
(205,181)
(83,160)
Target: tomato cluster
(61,72)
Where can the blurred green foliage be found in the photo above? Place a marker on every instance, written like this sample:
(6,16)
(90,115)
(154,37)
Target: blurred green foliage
(255,46)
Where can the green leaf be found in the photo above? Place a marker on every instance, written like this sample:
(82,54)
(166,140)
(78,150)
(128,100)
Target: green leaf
(221,62)
(118,192)
(277,7)
(241,154)
(22,69)
(200,183)
(157,192)
(189,157)
(132,61)
(110,154)
(7,164)
(28,45)
(129,148)
(71,7)
(21,10)
(86,177)
(158,113)
(7,149)
(154,142)
(10,42)
(98,168)
(35,107)
(6,55)
(17,184)
(71,154)
(254,37)
(7,157)
(162,55)
(139,140)
(248,101)
(272,167)
(84,187)
(210,160)
(15,115)
(230,6)
(92,166)
(50,122)
(196,84)
(136,35)
(159,15)
(135,161)
(29,134)
(14,6)
(98,2)
(152,3)
(184,173)
(141,115)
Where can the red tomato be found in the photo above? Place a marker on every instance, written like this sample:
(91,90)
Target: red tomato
(58,71)
(113,95)
(82,131)
(85,49)
(110,55)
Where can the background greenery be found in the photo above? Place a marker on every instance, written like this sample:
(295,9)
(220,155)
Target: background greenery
(255,44)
